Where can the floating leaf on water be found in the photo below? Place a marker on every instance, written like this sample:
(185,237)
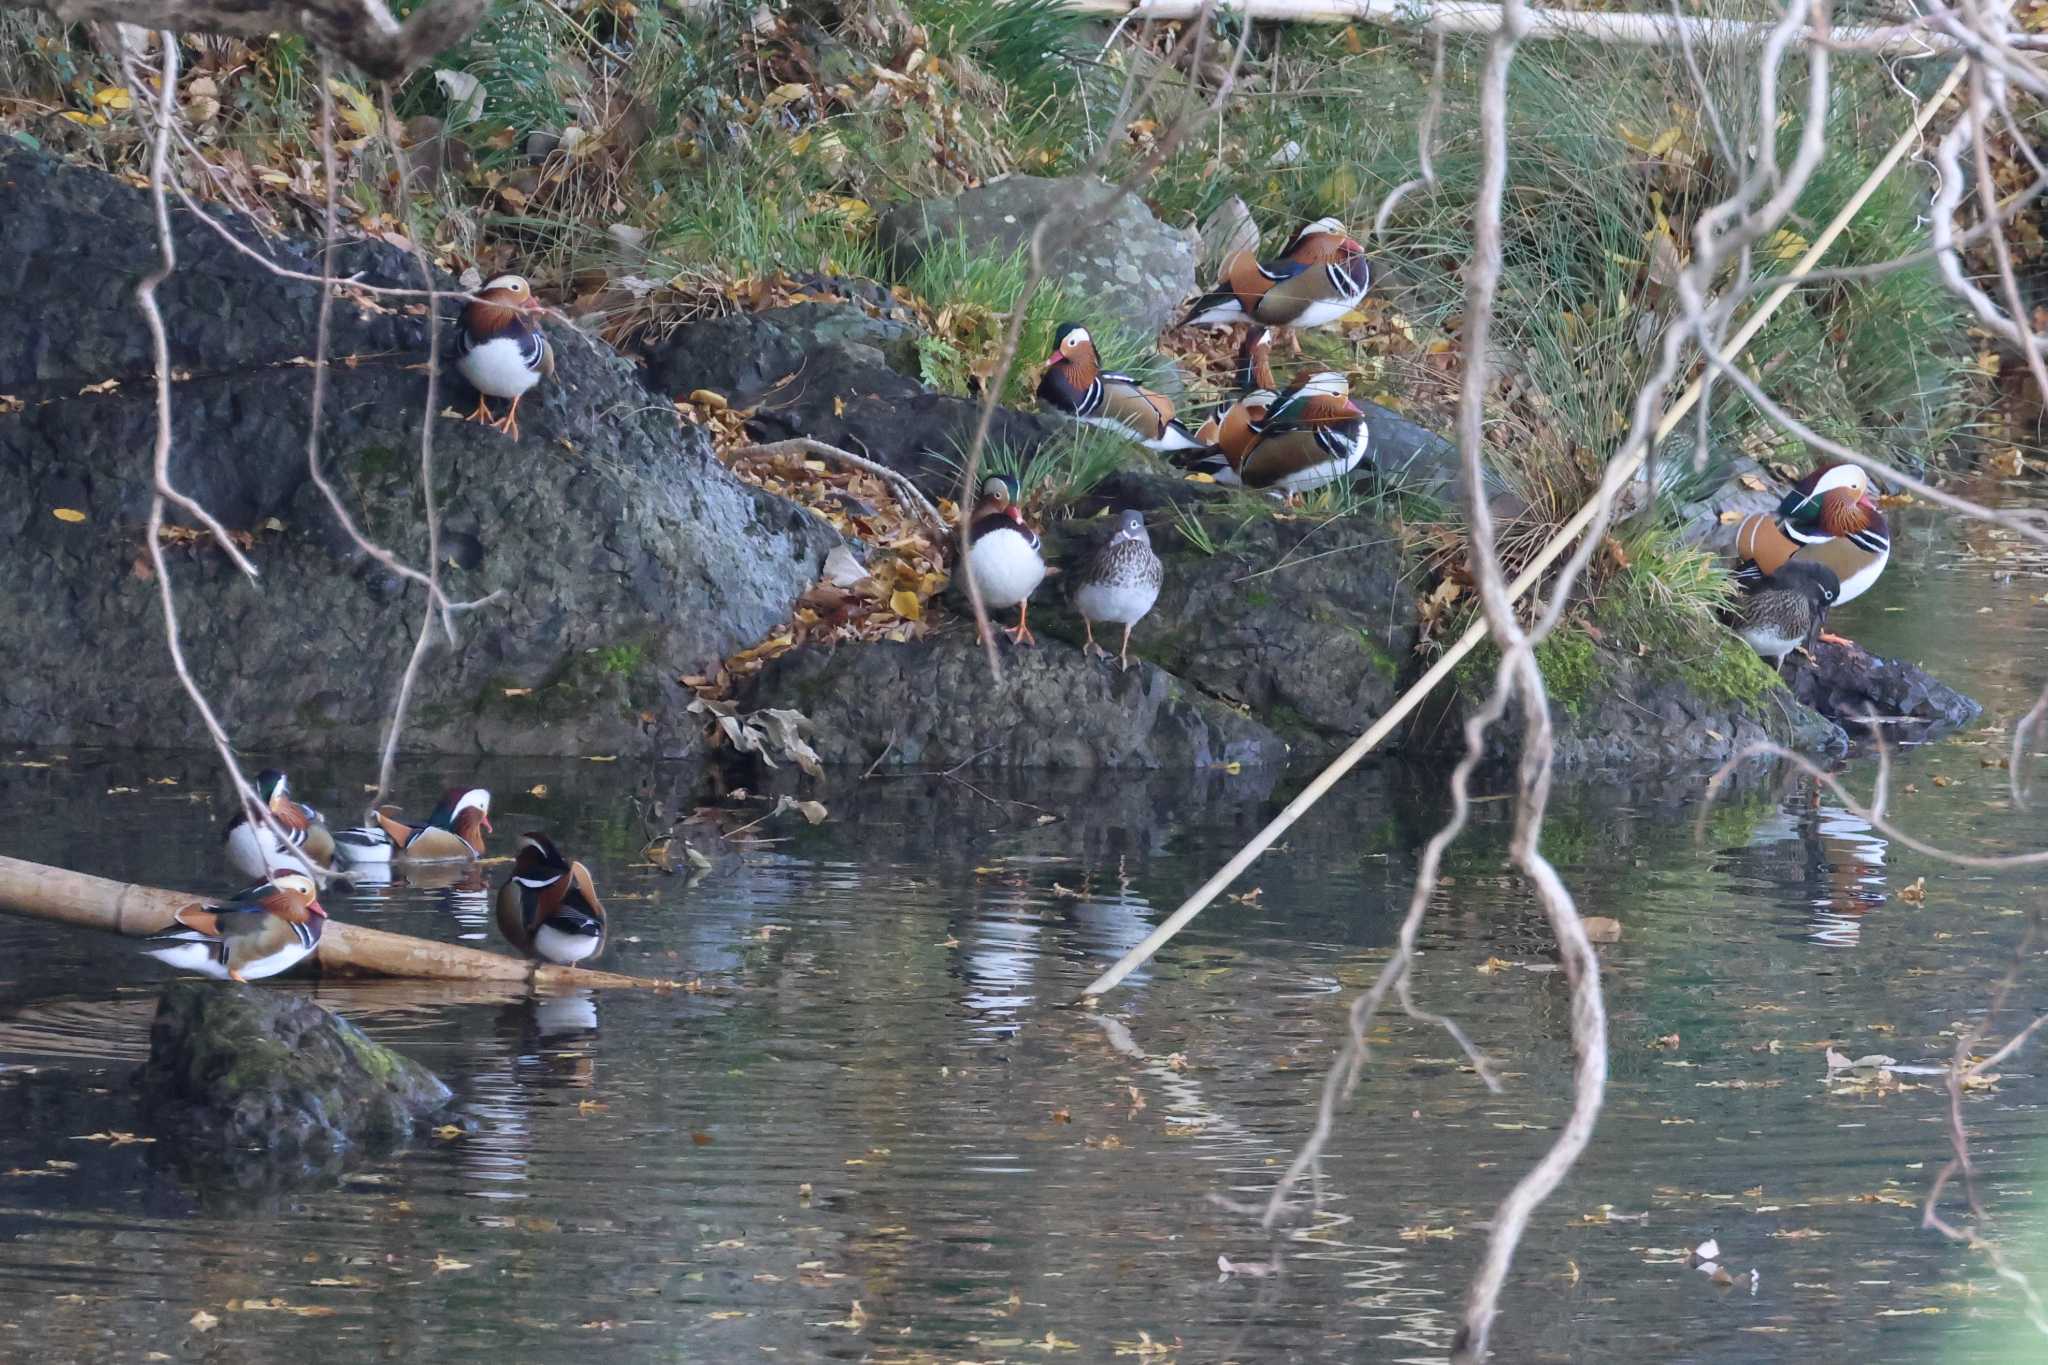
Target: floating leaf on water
(203,1321)
(71,514)
(1602,929)
(444,1263)
(1916,894)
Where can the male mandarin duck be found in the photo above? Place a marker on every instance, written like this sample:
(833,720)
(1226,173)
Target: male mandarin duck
(1829,517)
(1311,434)
(1321,275)
(1120,584)
(501,349)
(259,933)
(1076,384)
(1003,554)
(548,908)
(453,833)
(1230,432)
(254,849)
(1785,611)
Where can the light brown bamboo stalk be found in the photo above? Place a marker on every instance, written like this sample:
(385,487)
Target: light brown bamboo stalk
(57,893)
(1569,532)
(1467,17)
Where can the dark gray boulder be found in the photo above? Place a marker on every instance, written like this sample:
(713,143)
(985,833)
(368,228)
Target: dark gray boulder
(1309,623)
(835,374)
(1614,711)
(1104,244)
(236,1067)
(1847,684)
(932,704)
(626,555)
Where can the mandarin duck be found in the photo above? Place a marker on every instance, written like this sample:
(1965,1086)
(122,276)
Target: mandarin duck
(253,848)
(548,908)
(259,933)
(1120,584)
(1320,275)
(1076,384)
(1311,434)
(453,833)
(1828,518)
(501,349)
(1003,554)
(1785,611)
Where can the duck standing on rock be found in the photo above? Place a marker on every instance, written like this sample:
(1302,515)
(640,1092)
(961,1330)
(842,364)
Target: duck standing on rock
(1785,611)
(548,908)
(1311,434)
(260,933)
(1828,518)
(1321,275)
(1076,384)
(253,848)
(453,833)
(1120,584)
(501,349)
(1003,554)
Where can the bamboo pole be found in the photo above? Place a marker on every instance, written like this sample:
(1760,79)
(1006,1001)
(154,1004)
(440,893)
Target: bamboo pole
(1468,17)
(1569,532)
(57,893)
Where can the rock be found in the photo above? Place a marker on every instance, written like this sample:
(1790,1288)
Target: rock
(932,704)
(1847,683)
(837,375)
(1229,229)
(1309,624)
(1613,711)
(1109,248)
(231,1068)
(625,553)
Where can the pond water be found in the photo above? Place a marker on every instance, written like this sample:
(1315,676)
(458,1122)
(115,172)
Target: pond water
(880,1094)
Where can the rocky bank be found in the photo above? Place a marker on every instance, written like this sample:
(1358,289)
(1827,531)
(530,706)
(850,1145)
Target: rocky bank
(624,554)
(619,554)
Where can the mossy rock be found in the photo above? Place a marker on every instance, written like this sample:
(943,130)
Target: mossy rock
(239,1067)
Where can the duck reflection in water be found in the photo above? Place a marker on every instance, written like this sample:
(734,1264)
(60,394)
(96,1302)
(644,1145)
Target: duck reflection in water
(466,896)
(545,1045)
(1844,867)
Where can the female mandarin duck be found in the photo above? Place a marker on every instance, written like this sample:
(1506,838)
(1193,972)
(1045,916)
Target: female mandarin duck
(453,833)
(1003,554)
(1321,275)
(253,848)
(1828,518)
(1785,611)
(259,933)
(1076,384)
(548,908)
(1120,584)
(501,350)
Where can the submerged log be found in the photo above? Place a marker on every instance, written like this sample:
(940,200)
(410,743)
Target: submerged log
(58,893)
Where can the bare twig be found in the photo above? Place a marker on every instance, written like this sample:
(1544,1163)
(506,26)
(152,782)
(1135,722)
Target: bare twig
(804,445)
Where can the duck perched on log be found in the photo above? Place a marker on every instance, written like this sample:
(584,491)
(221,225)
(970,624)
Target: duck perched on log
(253,848)
(1076,384)
(548,908)
(1784,612)
(501,349)
(453,833)
(1319,276)
(259,933)
(1829,517)
(1003,554)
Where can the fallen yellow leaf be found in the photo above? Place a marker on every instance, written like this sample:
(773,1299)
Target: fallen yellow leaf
(67,514)
(906,605)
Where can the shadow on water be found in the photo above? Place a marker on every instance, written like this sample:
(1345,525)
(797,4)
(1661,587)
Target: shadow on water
(877,1127)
